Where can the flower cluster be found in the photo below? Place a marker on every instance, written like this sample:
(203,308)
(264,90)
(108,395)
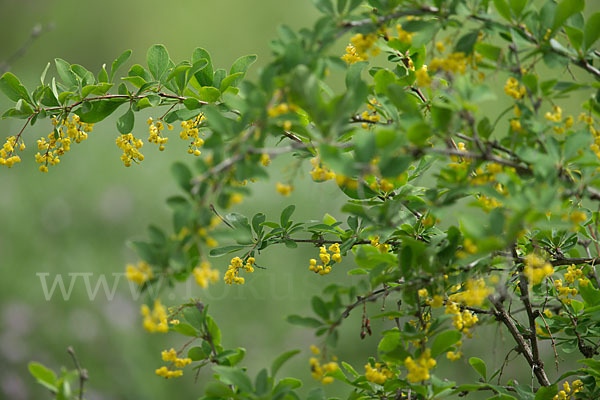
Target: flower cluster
(423,78)
(318,371)
(462,321)
(418,370)
(171,356)
(130,146)
(204,273)
(453,355)
(156,137)
(453,63)
(327,259)
(7,156)
(556,116)
(191,132)
(320,172)
(140,273)
(382,247)
(232,274)
(474,293)
(404,36)
(569,392)
(370,115)
(282,108)
(59,140)
(513,89)
(563,289)
(379,374)
(536,269)
(155,320)
(359,48)
(284,189)
(204,231)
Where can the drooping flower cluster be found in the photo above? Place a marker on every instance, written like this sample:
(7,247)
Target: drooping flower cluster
(140,273)
(320,172)
(318,370)
(156,137)
(382,247)
(204,274)
(171,357)
(404,36)
(536,269)
(378,374)
(7,156)
(453,63)
(474,293)
(232,274)
(513,89)
(131,149)
(418,370)
(327,259)
(191,132)
(284,189)
(359,48)
(370,115)
(462,321)
(60,139)
(155,320)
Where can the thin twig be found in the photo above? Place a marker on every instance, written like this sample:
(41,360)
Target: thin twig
(83,374)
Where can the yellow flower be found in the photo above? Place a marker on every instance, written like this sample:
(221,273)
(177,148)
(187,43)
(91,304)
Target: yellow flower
(418,370)
(284,189)
(155,320)
(140,273)
(204,273)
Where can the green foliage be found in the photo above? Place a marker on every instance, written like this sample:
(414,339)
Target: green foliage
(407,141)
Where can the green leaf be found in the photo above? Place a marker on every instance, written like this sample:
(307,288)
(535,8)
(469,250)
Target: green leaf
(204,76)
(12,87)
(325,6)
(262,382)
(517,6)
(98,110)
(219,251)
(575,36)
(213,330)
(282,359)
(546,392)
(158,61)
(185,329)
(591,32)
(444,341)
(209,94)
(242,64)
(118,63)
(479,366)
(286,214)
(320,308)
(195,317)
(197,354)
(64,71)
(125,122)
(44,376)
(503,9)
(182,175)
(231,80)
(564,10)
(303,321)
(234,376)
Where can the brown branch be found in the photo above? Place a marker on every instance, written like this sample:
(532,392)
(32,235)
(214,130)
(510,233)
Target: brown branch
(523,347)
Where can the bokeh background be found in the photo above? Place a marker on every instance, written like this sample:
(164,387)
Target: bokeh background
(78,217)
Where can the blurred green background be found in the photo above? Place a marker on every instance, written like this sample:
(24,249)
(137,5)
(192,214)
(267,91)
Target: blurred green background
(78,218)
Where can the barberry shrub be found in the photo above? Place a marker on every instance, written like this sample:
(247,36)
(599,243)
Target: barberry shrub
(408,143)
